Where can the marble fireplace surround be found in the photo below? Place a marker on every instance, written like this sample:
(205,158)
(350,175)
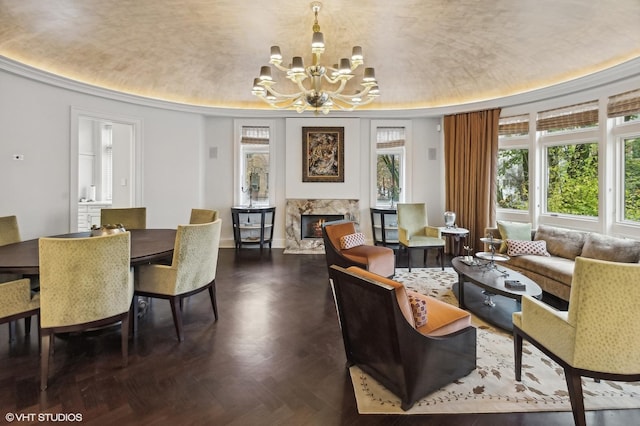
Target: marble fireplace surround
(295,244)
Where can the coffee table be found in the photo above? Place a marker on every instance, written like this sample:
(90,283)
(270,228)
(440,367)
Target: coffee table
(489,298)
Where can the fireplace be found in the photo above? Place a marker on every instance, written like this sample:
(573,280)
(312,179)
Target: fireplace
(307,238)
(311,224)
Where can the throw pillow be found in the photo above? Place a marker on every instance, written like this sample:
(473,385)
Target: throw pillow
(561,242)
(351,240)
(513,231)
(419,310)
(519,248)
(612,249)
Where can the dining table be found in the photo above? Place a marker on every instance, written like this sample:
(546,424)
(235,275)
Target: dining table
(147,246)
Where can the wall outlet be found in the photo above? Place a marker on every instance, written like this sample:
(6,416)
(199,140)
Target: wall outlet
(18,157)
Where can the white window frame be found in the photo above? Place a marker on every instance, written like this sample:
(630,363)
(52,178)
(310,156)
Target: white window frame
(572,137)
(238,176)
(405,163)
(620,132)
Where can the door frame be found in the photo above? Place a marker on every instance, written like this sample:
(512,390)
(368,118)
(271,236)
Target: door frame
(136,157)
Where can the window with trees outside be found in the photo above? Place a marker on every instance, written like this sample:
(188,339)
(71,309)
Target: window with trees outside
(570,141)
(513,163)
(254,165)
(632,178)
(390,162)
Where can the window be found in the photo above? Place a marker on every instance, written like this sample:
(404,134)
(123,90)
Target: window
(631,179)
(254,165)
(569,139)
(572,179)
(513,179)
(624,110)
(390,165)
(513,163)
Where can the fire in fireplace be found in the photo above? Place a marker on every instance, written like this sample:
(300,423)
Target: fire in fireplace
(311,224)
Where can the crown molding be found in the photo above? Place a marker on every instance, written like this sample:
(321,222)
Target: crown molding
(625,71)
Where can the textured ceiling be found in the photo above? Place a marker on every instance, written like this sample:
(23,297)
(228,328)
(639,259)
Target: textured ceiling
(427,53)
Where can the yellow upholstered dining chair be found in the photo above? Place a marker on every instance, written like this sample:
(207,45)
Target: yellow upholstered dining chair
(414,231)
(131,218)
(9,231)
(202,216)
(9,234)
(192,270)
(597,337)
(84,283)
(17,301)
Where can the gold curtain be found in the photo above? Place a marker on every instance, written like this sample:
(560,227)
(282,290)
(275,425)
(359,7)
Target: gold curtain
(471,162)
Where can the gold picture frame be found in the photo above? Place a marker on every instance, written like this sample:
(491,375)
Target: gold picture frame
(323,154)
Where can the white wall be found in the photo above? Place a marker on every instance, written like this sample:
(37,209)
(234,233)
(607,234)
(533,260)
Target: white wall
(180,170)
(35,122)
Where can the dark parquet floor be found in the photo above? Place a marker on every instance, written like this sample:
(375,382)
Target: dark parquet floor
(275,357)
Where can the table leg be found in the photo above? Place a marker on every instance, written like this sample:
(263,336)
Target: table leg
(461,304)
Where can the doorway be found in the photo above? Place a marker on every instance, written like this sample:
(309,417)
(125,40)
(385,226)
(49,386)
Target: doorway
(105,166)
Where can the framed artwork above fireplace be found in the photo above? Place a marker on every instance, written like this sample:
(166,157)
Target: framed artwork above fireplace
(323,154)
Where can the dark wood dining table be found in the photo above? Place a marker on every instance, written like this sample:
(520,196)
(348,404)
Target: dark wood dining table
(147,246)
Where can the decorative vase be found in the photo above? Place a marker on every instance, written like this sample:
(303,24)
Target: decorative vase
(449,219)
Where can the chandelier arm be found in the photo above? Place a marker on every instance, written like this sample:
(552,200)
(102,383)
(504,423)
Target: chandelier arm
(282,95)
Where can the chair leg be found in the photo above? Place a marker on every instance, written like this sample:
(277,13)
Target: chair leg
(517,354)
(441,252)
(124,338)
(45,354)
(134,316)
(177,316)
(12,331)
(574,385)
(409,258)
(212,295)
(27,326)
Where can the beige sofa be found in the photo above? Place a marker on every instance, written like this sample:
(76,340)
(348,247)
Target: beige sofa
(554,272)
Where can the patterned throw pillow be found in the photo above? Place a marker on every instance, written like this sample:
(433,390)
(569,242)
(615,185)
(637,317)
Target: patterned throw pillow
(519,247)
(419,309)
(351,240)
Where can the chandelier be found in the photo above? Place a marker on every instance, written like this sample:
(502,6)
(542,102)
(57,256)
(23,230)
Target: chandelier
(317,86)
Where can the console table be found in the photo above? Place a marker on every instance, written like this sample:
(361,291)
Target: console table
(384,224)
(253,225)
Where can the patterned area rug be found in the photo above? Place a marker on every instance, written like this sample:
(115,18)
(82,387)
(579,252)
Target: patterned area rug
(491,387)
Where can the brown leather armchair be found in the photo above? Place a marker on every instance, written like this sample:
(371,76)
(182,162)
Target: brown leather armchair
(377,259)
(383,337)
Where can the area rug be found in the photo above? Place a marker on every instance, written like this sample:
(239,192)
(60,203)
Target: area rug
(491,387)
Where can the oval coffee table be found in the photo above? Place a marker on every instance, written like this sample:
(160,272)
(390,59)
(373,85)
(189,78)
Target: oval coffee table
(490,278)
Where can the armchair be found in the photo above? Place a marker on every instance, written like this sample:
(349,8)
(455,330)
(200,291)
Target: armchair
(377,259)
(9,234)
(597,337)
(414,231)
(192,270)
(84,283)
(17,301)
(410,354)
(131,218)
(202,216)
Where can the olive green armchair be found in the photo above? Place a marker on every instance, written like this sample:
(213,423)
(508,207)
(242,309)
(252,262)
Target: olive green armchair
(202,216)
(414,231)
(597,337)
(192,270)
(131,218)
(18,301)
(84,283)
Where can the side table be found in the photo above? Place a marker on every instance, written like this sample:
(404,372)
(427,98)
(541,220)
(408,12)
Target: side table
(454,235)
(253,225)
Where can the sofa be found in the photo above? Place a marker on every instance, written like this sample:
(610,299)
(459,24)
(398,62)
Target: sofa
(547,254)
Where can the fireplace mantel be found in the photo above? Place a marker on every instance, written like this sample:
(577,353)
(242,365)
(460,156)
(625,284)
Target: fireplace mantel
(295,244)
